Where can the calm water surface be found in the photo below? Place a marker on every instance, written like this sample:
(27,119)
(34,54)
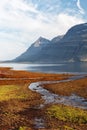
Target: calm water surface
(49,68)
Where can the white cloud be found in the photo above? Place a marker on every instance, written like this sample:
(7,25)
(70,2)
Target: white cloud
(80,8)
(10,50)
(22,22)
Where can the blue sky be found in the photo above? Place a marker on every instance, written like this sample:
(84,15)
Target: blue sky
(23,21)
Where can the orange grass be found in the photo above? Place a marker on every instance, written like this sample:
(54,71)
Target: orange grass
(19,105)
(78,87)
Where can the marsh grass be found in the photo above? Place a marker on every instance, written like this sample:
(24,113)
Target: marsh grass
(15,103)
(19,105)
(67,114)
(24,128)
(78,87)
(8,92)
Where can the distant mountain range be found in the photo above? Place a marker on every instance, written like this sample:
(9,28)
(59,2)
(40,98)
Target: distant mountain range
(72,47)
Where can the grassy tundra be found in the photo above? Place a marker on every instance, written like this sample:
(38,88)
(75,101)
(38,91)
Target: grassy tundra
(18,104)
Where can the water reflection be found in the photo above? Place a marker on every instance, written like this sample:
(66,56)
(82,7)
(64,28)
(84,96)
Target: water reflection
(80,67)
(61,68)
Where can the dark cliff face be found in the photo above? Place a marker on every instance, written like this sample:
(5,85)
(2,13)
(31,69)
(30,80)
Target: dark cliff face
(72,47)
(75,43)
(76,33)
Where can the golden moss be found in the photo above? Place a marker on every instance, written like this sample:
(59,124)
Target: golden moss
(66,113)
(24,128)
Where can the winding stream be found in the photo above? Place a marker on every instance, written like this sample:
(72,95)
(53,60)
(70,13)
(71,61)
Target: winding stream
(72,100)
(49,97)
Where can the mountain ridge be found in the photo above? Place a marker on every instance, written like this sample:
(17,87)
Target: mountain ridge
(71,47)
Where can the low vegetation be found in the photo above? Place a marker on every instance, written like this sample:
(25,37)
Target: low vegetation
(78,87)
(61,117)
(67,114)
(19,105)
(24,128)
(15,106)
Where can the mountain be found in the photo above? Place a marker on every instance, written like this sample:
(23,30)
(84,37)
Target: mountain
(31,53)
(72,47)
(57,39)
(74,44)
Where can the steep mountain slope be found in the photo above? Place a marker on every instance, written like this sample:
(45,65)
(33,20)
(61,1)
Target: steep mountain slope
(72,47)
(33,51)
(74,43)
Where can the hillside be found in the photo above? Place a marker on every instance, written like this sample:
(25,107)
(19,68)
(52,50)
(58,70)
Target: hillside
(72,47)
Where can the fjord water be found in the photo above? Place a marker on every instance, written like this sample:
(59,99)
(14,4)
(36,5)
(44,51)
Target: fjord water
(80,67)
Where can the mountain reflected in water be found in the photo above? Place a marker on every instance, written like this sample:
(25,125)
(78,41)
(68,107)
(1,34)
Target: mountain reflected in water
(61,68)
(80,67)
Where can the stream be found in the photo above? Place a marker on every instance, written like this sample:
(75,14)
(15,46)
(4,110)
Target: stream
(49,97)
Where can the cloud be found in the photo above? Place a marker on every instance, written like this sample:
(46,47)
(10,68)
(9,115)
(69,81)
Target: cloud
(82,11)
(22,22)
(10,50)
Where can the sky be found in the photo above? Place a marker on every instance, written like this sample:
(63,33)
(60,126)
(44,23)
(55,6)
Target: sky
(23,21)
